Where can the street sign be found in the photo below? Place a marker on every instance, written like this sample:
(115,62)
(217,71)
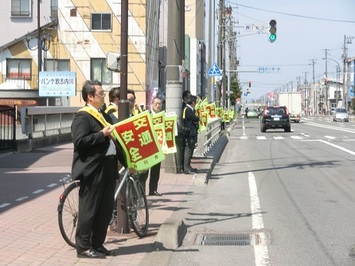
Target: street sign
(253,27)
(214,71)
(268,70)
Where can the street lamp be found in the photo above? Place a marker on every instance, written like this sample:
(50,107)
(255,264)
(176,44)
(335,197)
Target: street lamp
(338,79)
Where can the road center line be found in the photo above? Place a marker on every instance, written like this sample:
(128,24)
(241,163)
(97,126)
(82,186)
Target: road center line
(261,252)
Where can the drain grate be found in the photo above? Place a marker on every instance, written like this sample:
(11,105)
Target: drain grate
(224,240)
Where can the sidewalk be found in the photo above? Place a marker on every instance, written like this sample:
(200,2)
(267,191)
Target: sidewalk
(29,230)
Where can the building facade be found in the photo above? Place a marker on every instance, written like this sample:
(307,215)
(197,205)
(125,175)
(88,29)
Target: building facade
(77,36)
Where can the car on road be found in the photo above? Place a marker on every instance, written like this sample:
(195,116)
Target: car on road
(340,114)
(252,113)
(295,117)
(275,117)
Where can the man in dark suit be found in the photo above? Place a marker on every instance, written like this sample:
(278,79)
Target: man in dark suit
(155,170)
(95,165)
(112,108)
(184,97)
(190,123)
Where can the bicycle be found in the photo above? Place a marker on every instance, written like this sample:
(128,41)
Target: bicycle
(136,202)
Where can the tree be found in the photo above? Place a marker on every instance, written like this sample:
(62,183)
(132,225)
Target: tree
(236,91)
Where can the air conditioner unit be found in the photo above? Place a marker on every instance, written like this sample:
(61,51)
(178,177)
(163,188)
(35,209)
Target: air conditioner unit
(113,61)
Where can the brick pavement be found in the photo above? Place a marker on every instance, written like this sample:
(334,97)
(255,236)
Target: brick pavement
(29,231)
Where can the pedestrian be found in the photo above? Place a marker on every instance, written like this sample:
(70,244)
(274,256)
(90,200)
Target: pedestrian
(155,170)
(190,126)
(131,97)
(95,165)
(112,108)
(184,97)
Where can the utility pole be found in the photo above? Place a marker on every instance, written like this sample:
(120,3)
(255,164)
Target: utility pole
(326,82)
(347,40)
(313,90)
(174,83)
(122,217)
(39,48)
(211,45)
(220,49)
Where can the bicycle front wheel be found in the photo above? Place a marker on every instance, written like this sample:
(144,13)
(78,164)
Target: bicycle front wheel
(137,208)
(68,212)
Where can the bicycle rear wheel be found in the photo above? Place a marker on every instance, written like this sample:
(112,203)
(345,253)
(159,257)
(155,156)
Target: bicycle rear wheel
(68,212)
(137,208)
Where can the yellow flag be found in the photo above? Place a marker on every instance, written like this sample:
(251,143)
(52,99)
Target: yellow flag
(139,141)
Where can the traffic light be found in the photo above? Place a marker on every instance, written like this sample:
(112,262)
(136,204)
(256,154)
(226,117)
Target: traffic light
(248,92)
(249,83)
(272,31)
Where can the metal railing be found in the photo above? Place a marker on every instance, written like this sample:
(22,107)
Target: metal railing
(208,137)
(8,128)
(42,121)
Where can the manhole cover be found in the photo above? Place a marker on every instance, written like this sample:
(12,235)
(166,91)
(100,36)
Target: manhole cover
(225,239)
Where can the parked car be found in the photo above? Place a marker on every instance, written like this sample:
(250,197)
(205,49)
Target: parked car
(275,117)
(340,114)
(252,113)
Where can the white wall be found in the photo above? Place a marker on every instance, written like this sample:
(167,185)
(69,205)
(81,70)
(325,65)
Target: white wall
(15,27)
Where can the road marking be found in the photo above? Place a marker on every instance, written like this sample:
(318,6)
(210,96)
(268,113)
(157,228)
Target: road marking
(22,198)
(261,137)
(349,130)
(337,146)
(261,252)
(278,137)
(296,137)
(243,126)
(52,185)
(38,191)
(243,137)
(329,137)
(304,134)
(4,205)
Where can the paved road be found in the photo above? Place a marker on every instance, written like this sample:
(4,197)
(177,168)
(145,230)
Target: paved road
(286,197)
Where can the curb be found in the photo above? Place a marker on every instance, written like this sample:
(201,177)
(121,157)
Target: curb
(173,230)
(170,234)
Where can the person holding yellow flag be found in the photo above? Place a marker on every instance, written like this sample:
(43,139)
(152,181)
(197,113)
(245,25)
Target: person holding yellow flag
(95,165)
(155,170)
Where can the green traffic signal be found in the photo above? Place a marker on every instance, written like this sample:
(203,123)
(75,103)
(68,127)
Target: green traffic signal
(272,37)
(272,30)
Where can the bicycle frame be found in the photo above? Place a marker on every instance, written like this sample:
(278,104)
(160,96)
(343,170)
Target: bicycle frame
(120,185)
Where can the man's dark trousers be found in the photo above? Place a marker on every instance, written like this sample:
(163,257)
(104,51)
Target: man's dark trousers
(154,178)
(189,150)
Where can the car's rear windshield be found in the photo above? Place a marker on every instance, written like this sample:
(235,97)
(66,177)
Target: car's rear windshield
(276,111)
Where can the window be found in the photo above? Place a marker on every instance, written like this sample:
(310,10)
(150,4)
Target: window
(99,71)
(337,94)
(18,68)
(21,8)
(57,65)
(101,21)
(54,9)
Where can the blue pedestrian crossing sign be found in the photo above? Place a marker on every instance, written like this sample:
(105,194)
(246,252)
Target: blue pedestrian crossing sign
(214,71)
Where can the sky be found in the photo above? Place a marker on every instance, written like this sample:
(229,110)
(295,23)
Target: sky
(305,29)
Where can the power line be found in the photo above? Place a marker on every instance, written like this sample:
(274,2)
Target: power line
(294,15)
